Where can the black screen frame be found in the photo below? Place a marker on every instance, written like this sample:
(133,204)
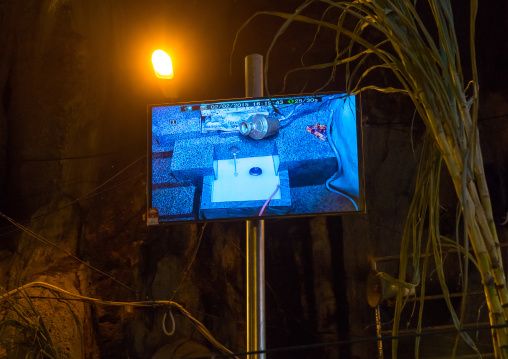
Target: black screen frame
(360,198)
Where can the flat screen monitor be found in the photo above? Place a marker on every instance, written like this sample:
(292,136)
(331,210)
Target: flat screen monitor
(255,157)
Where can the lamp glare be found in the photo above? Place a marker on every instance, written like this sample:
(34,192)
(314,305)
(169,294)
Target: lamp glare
(162,64)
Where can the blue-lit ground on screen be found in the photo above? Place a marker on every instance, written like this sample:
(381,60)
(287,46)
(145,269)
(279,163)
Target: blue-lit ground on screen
(206,166)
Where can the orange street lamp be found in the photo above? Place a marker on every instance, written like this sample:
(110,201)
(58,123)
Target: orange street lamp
(162,64)
(164,71)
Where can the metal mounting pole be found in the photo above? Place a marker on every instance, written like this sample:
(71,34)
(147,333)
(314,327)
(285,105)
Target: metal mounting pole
(255,237)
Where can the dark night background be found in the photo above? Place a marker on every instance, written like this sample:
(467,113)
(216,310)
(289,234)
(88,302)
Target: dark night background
(75,79)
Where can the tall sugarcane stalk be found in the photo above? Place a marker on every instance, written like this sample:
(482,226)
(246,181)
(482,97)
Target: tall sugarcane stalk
(429,70)
(440,100)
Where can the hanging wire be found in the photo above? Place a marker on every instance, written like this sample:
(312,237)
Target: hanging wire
(88,195)
(172,322)
(83,157)
(362,340)
(45,241)
(154,304)
(190,263)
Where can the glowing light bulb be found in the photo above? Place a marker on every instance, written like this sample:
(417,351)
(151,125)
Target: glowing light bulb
(162,64)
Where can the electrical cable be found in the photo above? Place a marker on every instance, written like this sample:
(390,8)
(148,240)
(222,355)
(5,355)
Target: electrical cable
(268,201)
(45,241)
(285,121)
(361,340)
(172,322)
(122,149)
(339,166)
(227,352)
(191,261)
(158,303)
(329,186)
(286,311)
(45,214)
(492,117)
(402,123)
(89,194)
(207,334)
(111,178)
(332,143)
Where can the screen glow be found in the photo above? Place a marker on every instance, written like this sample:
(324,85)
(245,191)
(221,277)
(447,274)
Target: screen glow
(286,156)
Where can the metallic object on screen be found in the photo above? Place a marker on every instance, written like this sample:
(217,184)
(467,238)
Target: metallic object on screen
(234,150)
(259,126)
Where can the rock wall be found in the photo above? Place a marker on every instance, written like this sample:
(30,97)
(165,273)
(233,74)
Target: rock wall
(75,78)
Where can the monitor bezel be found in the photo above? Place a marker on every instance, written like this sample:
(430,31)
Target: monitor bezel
(359,133)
